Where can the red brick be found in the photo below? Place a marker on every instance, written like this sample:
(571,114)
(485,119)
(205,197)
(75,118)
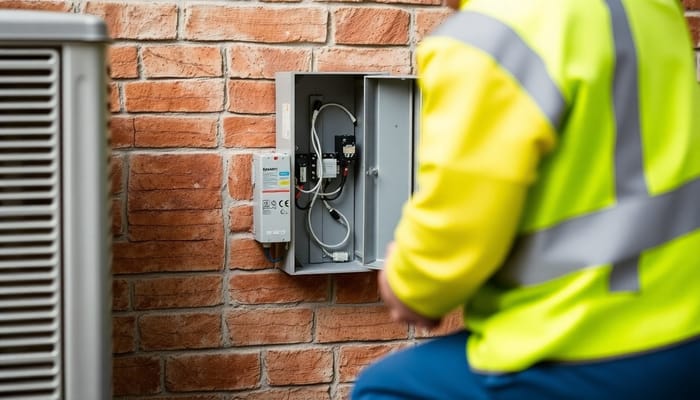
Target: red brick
(180,331)
(122,130)
(428,20)
(416,2)
(176,225)
(123,62)
(174,199)
(175,95)
(694,26)
(246,131)
(137,20)
(123,334)
(256,24)
(247,254)
(376,26)
(175,218)
(120,295)
(43,5)
(188,291)
(113,95)
(137,375)
(251,97)
(164,233)
(160,132)
(175,171)
(181,61)
(396,61)
(240,186)
(199,397)
(269,326)
(162,256)
(188,373)
(117,223)
(299,367)
(277,287)
(302,393)
(356,288)
(116,168)
(343,392)
(352,359)
(339,324)
(256,61)
(450,323)
(691,4)
(241,218)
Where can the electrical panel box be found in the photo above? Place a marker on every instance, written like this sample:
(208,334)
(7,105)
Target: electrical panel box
(271,200)
(351,140)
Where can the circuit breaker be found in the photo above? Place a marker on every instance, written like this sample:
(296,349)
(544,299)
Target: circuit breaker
(351,139)
(271,201)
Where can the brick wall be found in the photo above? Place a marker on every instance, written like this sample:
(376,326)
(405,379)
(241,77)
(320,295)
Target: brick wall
(199,314)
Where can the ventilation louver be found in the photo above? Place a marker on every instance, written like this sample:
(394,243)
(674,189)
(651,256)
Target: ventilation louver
(30,273)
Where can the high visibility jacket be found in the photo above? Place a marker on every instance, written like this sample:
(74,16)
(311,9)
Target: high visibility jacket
(559,181)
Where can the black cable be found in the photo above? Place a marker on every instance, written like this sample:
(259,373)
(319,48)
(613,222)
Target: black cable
(268,255)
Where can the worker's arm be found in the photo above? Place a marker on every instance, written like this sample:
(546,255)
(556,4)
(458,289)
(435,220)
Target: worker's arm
(482,138)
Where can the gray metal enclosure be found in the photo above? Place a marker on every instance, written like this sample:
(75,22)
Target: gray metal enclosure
(380,181)
(55,239)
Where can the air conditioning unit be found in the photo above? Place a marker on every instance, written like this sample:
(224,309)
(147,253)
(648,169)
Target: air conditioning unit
(55,249)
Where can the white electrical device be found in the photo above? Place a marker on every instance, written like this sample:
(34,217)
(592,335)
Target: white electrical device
(272,198)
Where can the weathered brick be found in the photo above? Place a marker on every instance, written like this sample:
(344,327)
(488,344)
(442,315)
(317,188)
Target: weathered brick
(691,4)
(160,132)
(396,61)
(269,326)
(302,393)
(188,373)
(136,20)
(356,288)
(428,20)
(123,334)
(175,218)
(180,331)
(113,95)
(136,375)
(277,287)
(122,130)
(195,397)
(174,199)
(120,295)
(176,232)
(338,324)
(246,131)
(117,214)
(299,367)
(343,392)
(41,5)
(255,24)
(240,186)
(247,254)
(452,322)
(123,62)
(175,171)
(241,218)
(413,2)
(162,256)
(353,358)
(251,97)
(181,61)
(187,291)
(116,168)
(376,26)
(205,95)
(694,26)
(256,61)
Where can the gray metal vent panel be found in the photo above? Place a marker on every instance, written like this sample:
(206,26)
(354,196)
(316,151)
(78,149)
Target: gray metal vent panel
(30,251)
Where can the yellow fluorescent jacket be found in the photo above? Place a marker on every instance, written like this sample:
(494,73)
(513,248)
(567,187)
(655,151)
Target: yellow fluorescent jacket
(559,181)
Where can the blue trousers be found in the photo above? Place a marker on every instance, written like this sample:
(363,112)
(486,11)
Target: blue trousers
(439,370)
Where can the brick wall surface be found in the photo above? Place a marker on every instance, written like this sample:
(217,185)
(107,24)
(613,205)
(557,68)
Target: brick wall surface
(198,312)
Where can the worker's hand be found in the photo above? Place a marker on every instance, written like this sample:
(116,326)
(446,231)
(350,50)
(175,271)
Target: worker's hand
(398,310)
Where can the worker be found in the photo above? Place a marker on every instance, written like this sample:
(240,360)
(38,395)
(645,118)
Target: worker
(558,202)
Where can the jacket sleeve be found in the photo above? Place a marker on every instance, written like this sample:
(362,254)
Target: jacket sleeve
(482,138)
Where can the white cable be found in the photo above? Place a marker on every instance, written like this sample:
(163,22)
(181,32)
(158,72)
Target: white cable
(316,190)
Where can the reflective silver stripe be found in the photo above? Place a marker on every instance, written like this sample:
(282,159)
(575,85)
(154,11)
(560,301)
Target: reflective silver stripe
(510,52)
(614,235)
(629,167)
